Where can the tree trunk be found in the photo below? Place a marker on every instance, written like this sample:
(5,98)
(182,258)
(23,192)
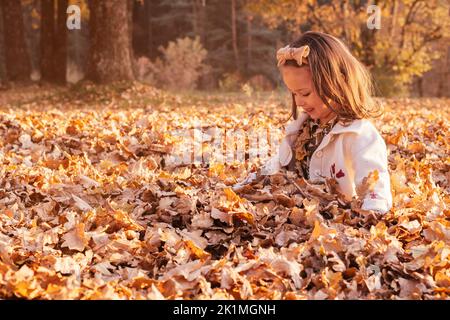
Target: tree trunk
(47,30)
(202,22)
(444,75)
(249,43)
(344,6)
(234,34)
(53,41)
(199,19)
(2,53)
(60,41)
(149,12)
(368,38)
(110,47)
(195,17)
(394,14)
(18,65)
(133,61)
(420,86)
(139,23)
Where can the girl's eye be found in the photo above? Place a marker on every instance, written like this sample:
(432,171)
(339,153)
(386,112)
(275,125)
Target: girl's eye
(303,95)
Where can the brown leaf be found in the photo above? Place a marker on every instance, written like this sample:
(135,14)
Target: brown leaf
(284,200)
(76,238)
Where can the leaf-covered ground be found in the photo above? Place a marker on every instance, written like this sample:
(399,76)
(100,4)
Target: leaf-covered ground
(90,208)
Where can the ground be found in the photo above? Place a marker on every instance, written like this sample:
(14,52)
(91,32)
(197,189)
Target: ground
(93,208)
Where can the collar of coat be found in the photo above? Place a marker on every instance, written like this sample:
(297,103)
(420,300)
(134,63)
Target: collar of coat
(357,126)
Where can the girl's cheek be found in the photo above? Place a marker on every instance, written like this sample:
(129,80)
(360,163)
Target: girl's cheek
(311,102)
(317,102)
(300,101)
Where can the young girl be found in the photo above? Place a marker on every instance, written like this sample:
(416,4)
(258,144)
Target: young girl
(331,136)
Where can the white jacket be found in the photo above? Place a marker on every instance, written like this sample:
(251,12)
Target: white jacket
(347,153)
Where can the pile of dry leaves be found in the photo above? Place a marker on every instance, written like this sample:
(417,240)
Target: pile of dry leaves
(90,210)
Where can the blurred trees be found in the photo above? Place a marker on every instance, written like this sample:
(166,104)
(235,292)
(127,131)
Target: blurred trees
(157,22)
(17,61)
(240,38)
(401,49)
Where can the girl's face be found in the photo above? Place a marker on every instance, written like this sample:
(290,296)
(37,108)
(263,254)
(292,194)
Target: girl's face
(299,82)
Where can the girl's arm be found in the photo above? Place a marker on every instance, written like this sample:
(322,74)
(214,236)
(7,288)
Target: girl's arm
(369,153)
(283,155)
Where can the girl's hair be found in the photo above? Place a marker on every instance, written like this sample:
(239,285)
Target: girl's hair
(337,76)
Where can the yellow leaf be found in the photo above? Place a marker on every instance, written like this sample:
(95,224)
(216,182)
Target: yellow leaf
(231,196)
(246,216)
(195,250)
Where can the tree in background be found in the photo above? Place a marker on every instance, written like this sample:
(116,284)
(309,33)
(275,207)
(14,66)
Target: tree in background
(396,53)
(78,45)
(226,31)
(181,67)
(234,37)
(17,61)
(53,62)
(240,37)
(213,21)
(31,11)
(2,54)
(110,43)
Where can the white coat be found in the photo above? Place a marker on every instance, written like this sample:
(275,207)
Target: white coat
(348,153)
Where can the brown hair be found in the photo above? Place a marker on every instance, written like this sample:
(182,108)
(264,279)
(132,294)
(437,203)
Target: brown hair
(337,76)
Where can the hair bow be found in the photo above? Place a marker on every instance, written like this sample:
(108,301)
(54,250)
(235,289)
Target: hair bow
(289,53)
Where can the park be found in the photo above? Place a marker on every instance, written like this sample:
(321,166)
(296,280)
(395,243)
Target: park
(131,151)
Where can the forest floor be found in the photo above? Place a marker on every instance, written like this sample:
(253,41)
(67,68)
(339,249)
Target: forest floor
(92,205)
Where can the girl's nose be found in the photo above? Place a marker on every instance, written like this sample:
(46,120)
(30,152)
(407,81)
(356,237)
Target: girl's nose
(299,102)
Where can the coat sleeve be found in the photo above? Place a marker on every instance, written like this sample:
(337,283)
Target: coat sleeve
(284,154)
(281,158)
(369,153)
